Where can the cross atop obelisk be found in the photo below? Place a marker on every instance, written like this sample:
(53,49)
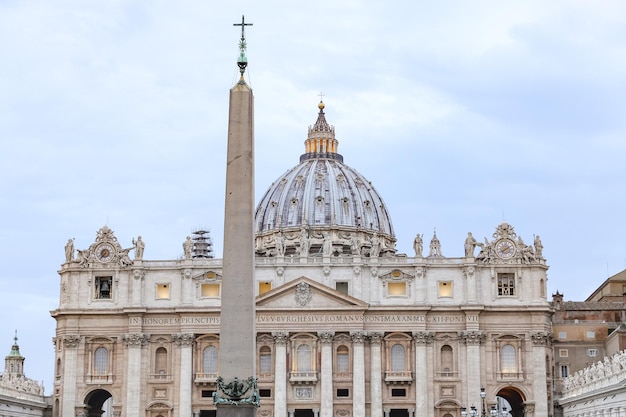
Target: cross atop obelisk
(242,62)
(237,394)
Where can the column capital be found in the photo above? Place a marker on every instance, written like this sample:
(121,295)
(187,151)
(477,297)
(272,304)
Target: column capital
(541,338)
(375,338)
(135,339)
(183,339)
(358,337)
(280,338)
(139,274)
(472,337)
(326,337)
(422,338)
(71,341)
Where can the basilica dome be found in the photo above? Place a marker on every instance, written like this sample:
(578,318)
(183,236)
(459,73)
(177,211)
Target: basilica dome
(322,206)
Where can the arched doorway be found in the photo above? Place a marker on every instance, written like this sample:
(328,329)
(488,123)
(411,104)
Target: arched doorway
(515,399)
(96,403)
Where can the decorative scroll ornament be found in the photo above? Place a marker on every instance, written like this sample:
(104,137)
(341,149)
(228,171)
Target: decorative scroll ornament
(303,293)
(234,391)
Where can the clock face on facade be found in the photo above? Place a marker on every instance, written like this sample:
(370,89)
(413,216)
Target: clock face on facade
(104,252)
(505,248)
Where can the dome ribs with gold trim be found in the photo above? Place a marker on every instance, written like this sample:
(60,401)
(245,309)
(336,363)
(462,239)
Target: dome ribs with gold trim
(323,200)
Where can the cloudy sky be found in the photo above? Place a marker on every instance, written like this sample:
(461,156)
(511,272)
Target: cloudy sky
(462,114)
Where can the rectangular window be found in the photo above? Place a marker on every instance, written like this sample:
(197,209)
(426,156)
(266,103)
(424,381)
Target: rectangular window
(564,353)
(398,392)
(343,392)
(591,334)
(506,285)
(264,287)
(210,290)
(103,288)
(163,291)
(265,393)
(592,353)
(207,393)
(562,335)
(445,289)
(564,371)
(396,288)
(342,287)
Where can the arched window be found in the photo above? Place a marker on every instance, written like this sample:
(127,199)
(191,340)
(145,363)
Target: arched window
(397,358)
(160,361)
(509,364)
(343,359)
(265,360)
(101,361)
(304,358)
(209,360)
(447,364)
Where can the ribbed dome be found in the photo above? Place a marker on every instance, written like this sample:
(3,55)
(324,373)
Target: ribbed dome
(322,199)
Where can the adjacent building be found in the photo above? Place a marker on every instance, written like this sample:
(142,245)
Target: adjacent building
(21,396)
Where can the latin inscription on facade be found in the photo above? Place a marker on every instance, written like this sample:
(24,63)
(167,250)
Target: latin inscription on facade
(309,318)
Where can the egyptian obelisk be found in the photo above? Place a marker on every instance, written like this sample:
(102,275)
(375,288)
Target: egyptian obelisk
(237,393)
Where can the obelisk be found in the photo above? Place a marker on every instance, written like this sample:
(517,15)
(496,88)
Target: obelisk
(237,394)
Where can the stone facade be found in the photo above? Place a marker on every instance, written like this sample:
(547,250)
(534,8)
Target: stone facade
(345,326)
(337,335)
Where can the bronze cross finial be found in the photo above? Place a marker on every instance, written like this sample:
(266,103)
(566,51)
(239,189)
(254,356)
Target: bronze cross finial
(243,25)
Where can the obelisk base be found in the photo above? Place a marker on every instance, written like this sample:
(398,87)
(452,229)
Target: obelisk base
(229,410)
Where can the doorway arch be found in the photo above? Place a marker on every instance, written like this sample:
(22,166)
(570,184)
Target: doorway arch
(94,402)
(516,399)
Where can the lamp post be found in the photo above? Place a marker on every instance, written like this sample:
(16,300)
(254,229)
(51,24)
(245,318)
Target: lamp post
(495,413)
(483,394)
(472,412)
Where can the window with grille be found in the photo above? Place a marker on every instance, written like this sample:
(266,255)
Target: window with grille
(343,359)
(304,358)
(265,360)
(509,364)
(446,361)
(397,358)
(506,284)
(101,361)
(160,361)
(209,360)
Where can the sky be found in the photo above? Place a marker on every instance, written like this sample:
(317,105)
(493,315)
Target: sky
(461,114)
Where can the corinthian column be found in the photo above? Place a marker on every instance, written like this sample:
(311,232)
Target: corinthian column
(185,341)
(376,378)
(421,339)
(358,373)
(134,343)
(280,373)
(540,345)
(326,378)
(472,339)
(70,345)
